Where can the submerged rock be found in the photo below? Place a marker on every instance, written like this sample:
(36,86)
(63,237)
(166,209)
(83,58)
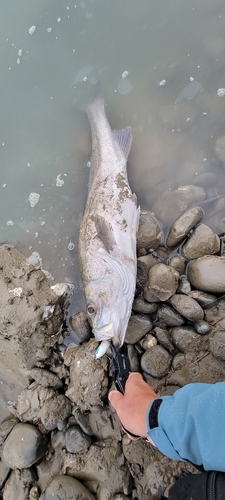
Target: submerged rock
(173,203)
(208,274)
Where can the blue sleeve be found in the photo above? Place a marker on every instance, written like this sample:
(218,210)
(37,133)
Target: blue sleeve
(191,425)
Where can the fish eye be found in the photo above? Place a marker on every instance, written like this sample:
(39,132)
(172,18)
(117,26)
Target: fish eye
(91,310)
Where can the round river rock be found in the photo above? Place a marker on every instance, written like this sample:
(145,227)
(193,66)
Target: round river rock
(23,447)
(156,361)
(162,282)
(149,232)
(188,307)
(138,326)
(217,344)
(203,241)
(208,274)
(66,488)
(181,227)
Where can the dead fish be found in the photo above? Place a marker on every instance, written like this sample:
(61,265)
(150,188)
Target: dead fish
(107,239)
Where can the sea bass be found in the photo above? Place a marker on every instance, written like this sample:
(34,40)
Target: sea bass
(107,239)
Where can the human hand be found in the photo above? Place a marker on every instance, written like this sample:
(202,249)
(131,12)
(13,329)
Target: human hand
(132,407)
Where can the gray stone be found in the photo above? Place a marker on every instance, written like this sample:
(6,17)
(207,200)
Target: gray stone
(133,358)
(138,326)
(188,307)
(142,306)
(205,300)
(55,410)
(196,367)
(83,421)
(177,263)
(202,327)
(105,423)
(205,180)
(148,260)
(162,282)
(208,274)
(66,488)
(45,378)
(156,361)
(76,440)
(169,317)
(18,485)
(148,341)
(182,225)
(184,286)
(149,234)
(164,338)
(81,326)
(6,427)
(217,344)
(185,338)
(203,241)
(4,472)
(173,203)
(23,447)
(142,276)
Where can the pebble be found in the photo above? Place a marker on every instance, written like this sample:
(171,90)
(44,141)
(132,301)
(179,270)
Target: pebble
(162,282)
(81,327)
(202,327)
(182,225)
(148,341)
(184,286)
(164,338)
(18,485)
(138,326)
(168,316)
(83,421)
(65,488)
(177,263)
(31,30)
(148,260)
(185,338)
(55,410)
(6,427)
(149,234)
(24,446)
(208,274)
(156,361)
(203,241)
(45,378)
(205,300)
(141,305)
(217,345)
(76,441)
(188,307)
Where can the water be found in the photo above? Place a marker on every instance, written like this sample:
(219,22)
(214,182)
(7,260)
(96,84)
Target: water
(146,55)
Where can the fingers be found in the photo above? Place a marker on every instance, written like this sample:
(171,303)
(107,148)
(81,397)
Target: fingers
(115,397)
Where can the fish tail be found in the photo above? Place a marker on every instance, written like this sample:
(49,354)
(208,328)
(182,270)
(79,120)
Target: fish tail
(89,97)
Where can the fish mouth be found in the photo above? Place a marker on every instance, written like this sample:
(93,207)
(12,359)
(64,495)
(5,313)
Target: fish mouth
(105,332)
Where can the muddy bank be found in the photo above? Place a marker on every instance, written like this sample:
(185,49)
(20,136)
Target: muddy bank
(62,437)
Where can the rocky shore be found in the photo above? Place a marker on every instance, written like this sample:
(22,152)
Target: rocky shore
(62,439)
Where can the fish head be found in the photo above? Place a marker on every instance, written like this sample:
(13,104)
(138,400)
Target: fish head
(108,310)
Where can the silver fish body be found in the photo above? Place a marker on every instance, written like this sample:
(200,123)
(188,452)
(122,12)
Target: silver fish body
(107,240)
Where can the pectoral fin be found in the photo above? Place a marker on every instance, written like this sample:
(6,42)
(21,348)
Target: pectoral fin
(105,232)
(124,140)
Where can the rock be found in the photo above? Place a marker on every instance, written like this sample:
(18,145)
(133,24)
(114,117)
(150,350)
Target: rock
(202,327)
(24,446)
(18,485)
(164,338)
(66,488)
(142,276)
(184,286)
(203,241)
(173,203)
(104,469)
(55,410)
(208,274)
(83,421)
(190,368)
(45,378)
(105,423)
(141,305)
(169,317)
(120,496)
(148,260)
(88,384)
(162,282)
(188,307)
(6,427)
(30,402)
(217,344)
(220,149)
(149,234)
(4,472)
(156,361)
(34,495)
(177,263)
(30,329)
(81,327)
(182,225)
(205,300)
(148,341)
(138,326)
(205,180)
(133,358)
(185,338)
(76,440)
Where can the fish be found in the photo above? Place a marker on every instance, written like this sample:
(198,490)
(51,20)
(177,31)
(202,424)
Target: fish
(107,236)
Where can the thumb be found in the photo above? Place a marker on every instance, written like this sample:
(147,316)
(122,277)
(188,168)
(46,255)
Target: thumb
(114,398)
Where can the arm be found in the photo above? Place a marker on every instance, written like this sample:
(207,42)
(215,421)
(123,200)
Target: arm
(190,425)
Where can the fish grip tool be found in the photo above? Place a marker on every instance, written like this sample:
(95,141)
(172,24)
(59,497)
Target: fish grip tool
(120,367)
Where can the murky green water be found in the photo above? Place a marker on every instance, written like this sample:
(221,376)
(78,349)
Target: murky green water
(145,53)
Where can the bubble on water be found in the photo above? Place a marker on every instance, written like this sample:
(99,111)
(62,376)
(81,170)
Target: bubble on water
(20,52)
(3,144)
(9,223)
(85,79)
(4,185)
(49,30)
(59,182)
(18,60)
(34,199)
(36,235)
(125,74)
(32,29)
(88,164)
(191,78)
(59,20)
(48,274)
(28,164)
(43,223)
(221,92)
(74,50)
(187,119)
(71,246)
(163,82)
(124,86)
